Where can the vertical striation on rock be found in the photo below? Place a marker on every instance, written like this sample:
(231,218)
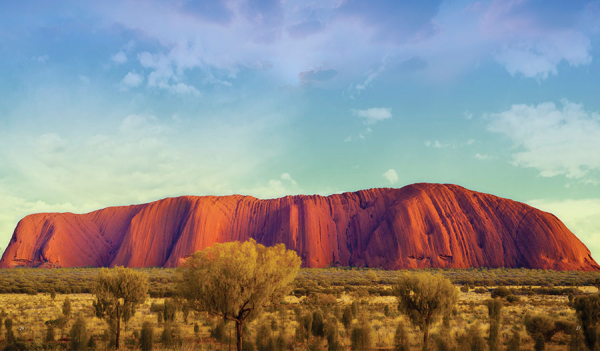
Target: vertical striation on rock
(417,226)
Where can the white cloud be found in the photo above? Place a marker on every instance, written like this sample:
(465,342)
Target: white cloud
(582,217)
(555,141)
(373,115)
(133,79)
(119,58)
(391,176)
(483,157)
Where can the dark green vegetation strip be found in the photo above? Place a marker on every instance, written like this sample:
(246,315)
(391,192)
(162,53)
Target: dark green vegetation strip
(309,280)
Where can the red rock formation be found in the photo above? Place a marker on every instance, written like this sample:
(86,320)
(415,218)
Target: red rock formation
(417,226)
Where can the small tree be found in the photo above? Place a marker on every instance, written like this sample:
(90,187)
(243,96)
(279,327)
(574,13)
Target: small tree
(495,314)
(237,280)
(147,337)
(424,298)
(117,290)
(78,338)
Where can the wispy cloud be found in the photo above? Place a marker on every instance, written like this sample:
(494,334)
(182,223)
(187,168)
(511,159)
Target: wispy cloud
(133,79)
(554,140)
(119,58)
(373,115)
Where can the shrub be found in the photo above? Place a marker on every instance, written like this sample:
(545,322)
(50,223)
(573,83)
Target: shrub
(264,341)
(501,292)
(464,288)
(480,290)
(514,343)
(78,338)
(471,340)
(50,334)
(495,314)
(10,335)
(66,307)
(347,317)
(218,332)
(401,341)
(362,336)
(147,337)
(332,335)
(318,326)
(512,298)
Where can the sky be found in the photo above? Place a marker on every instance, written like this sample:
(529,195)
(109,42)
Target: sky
(119,102)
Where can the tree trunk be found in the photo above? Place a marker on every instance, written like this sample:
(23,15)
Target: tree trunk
(425,338)
(238,335)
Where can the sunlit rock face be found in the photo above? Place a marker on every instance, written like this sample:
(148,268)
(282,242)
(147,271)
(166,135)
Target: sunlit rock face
(417,226)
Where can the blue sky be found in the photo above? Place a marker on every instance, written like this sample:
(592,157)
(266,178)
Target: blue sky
(121,102)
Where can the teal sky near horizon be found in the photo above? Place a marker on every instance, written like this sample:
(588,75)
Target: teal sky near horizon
(121,102)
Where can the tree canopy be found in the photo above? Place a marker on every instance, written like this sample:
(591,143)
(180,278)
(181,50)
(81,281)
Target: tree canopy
(424,298)
(236,280)
(118,291)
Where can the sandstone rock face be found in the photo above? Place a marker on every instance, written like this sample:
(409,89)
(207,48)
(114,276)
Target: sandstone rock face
(417,226)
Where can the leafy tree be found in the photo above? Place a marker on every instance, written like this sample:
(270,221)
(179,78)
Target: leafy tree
(424,298)
(147,337)
(78,338)
(237,280)
(118,291)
